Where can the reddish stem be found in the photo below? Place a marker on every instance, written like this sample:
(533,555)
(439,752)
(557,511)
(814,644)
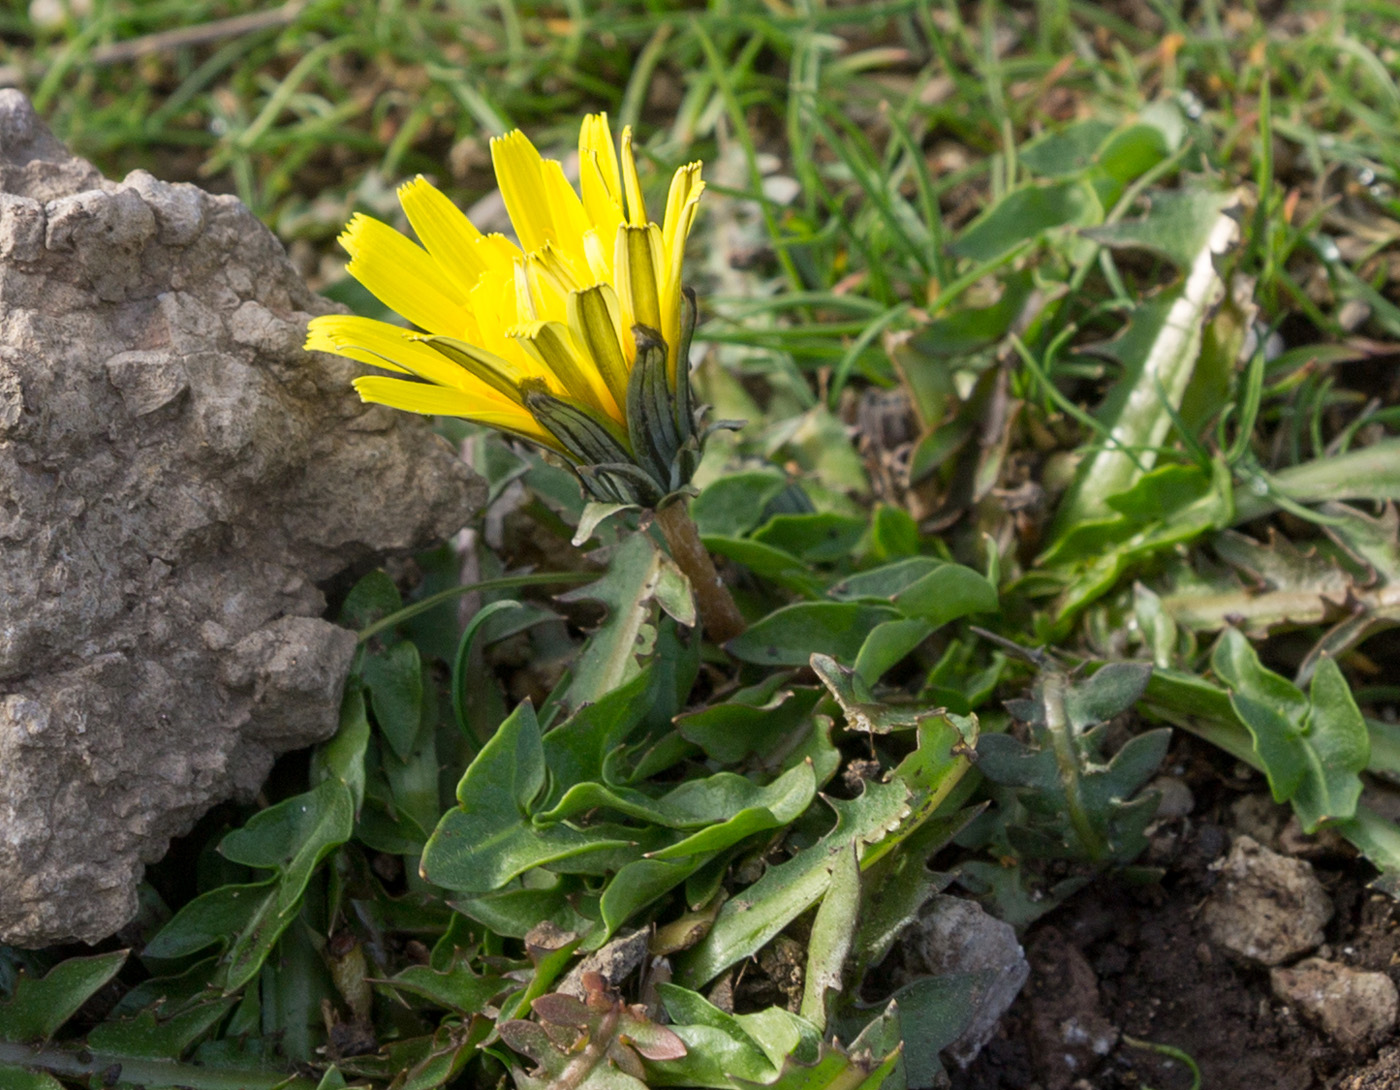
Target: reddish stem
(719,615)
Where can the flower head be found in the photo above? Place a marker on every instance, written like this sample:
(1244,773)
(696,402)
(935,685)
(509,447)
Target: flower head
(576,338)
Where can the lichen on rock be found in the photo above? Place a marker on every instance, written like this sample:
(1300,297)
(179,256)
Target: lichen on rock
(178,479)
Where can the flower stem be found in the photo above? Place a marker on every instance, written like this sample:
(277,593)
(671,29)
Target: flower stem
(718,613)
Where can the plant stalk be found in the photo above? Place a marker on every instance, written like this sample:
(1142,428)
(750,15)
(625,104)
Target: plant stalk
(719,615)
(1066,749)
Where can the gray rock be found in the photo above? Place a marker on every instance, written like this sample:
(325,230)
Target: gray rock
(959,936)
(1357,1009)
(1267,908)
(614,962)
(177,480)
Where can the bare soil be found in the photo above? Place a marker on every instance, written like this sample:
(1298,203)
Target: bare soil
(1125,961)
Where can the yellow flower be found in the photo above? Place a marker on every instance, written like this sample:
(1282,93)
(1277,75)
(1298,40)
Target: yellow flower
(575,338)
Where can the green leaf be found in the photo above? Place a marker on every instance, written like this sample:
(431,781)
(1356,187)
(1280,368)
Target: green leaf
(893,533)
(778,567)
(1132,152)
(156,1034)
(1273,709)
(887,645)
(1078,803)
(862,711)
(210,919)
(833,933)
(294,836)
(332,1080)
(1089,559)
(733,505)
(887,581)
(1111,690)
(818,538)
(488,838)
(1150,502)
(697,803)
(17,1079)
(922,588)
(344,755)
(1312,748)
(395,680)
(933,1013)
(1023,215)
(1192,229)
(594,515)
(772,1049)
(372,598)
(1178,226)
(752,720)
(719,1050)
(638,577)
(897,887)
(946,593)
(789,636)
(577,750)
(514,913)
(457,988)
(723,809)
(1156,625)
(1067,152)
(750,919)
(38,1008)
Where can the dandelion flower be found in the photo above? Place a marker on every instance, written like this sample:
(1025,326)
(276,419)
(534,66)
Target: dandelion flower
(574,337)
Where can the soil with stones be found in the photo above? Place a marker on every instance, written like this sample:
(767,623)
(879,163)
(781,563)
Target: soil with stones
(1124,974)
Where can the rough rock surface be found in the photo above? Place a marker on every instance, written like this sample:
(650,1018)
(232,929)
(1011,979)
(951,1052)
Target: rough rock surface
(614,962)
(958,936)
(1357,1009)
(1267,908)
(176,478)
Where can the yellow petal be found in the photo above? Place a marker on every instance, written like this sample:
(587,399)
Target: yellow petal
(526,306)
(599,257)
(686,188)
(599,178)
(401,275)
(445,232)
(497,311)
(498,372)
(632,185)
(550,281)
(554,347)
(681,207)
(498,253)
(595,150)
(568,221)
(595,318)
(420,397)
(520,174)
(380,344)
(639,261)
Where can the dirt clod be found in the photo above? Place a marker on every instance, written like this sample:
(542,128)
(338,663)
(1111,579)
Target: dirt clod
(1357,1009)
(1267,908)
(1070,1035)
